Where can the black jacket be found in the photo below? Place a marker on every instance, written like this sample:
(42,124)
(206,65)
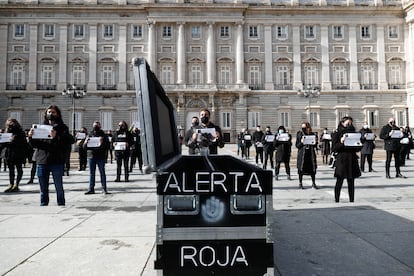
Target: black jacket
(53,151)
(98,152)
(16,150)
(346,165)
(391,144)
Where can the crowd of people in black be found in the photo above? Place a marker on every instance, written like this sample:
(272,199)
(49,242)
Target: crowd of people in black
(46,147)
(348,160)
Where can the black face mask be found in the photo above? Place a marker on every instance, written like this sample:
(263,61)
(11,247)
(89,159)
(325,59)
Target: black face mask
(10,129)
(350,128)
(96,128)
(204,120)
(195,124)
(304,129)
(51,117)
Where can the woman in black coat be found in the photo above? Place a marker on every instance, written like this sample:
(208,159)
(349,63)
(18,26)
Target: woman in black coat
(15,153)
(283,148)
(306,161)
(346,160)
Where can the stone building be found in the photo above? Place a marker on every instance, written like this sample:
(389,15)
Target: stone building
(269,62)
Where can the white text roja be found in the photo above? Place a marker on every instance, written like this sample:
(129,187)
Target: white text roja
(211,182)
(207,256)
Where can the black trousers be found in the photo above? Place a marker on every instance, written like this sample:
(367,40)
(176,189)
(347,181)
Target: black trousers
(389,155)
(367,157)
(277,167)
(351,188)
(259,154)
(122,157)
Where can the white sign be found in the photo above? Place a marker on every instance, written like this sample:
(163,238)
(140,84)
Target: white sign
(396,134)
(94,142)
(326,136)
(309,140)
(370,136)
(270,138)
(41,131)
(120,146)
(282,137)
(352,139)
(80,135)
(5,137)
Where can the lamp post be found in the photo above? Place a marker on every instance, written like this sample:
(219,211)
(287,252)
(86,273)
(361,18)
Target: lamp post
(74,92)
(310,92)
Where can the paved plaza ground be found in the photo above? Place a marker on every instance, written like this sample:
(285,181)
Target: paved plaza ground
(115,234)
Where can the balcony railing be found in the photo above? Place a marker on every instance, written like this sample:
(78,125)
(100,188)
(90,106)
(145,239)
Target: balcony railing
(396,86)
(46,87)
(340,86)
(16,87)
(283,86)
(369,86)
(105,87)
(256,86)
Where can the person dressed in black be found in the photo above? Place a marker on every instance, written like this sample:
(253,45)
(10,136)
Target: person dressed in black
(136,151)
(268,148)
(122,142)
(110,151)
(325,140)
(306,159)
(246,143)
(347,166)
(258,145)
(283,146)
(51,154)
(368,146)
(96,144)
(14,153)
(188,136)
(405,145)
(205,142)
(392,135)
(82,151)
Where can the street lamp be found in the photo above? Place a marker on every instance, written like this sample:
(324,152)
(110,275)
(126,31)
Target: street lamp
(310,92)
(74,92)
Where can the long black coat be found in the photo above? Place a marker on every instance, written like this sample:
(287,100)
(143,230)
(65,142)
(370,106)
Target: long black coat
(368,146)
(346,165)
(391,144)
(306,160)
(283,149)
(16,151)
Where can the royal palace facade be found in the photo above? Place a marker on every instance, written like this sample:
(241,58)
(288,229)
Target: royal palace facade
(268,62)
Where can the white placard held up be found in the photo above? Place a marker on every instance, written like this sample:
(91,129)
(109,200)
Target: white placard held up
(270,138)
(309,140)
(94,142)
(282,137)
(326,136)
(80,135)
(396,134)
(120,146)
(41,131)
(352,140)
(370,136)
(5,137)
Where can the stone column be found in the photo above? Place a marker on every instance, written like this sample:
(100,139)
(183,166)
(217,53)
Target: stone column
(180,54)
(31,84)
(93,40)
(409,45)
(211,55)
(382,76)
(122,59)
(3,56)
(151,58)
(63,57)
(268,57)
(239,54)
(326,80)
(297,62)
(353,59)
